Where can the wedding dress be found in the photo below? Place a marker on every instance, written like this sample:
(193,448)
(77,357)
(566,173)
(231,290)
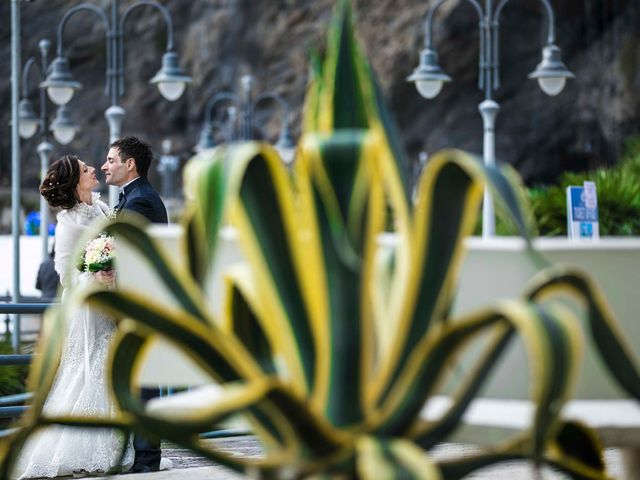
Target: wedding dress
(80,387)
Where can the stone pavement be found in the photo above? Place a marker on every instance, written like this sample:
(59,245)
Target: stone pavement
(189,466)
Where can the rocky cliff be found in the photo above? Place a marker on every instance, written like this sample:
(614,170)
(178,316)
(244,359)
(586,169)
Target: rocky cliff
(221,40)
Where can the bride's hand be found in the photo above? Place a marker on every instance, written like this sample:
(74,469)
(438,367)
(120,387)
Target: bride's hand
(106,277)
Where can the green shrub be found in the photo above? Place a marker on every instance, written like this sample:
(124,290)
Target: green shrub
(618,200)
(11,377)
(618,191)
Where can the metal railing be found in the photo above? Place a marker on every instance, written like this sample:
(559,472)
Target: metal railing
(8,407)
(15,359)
(23,308)
(26,306)
(11,406)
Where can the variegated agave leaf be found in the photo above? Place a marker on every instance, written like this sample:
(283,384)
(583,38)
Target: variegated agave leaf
(329,343)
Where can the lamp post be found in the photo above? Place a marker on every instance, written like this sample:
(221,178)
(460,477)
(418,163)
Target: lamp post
(167,167)
(241,111)
(15,166)
(63,128)
(429,77)
(170,79)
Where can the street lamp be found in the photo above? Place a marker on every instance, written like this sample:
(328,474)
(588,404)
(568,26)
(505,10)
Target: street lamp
(64,128)
(429,77)
(207,136)
(30,123)
(243,108)
(28,119)
(60,85)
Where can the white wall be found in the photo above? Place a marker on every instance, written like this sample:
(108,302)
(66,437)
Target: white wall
(29,263)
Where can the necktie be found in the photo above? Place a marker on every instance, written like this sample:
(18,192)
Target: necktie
(121,196)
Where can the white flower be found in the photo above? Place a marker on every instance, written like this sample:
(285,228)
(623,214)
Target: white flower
(99,250)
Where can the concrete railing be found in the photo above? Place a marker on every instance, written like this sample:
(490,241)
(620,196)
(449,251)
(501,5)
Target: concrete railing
(493,269)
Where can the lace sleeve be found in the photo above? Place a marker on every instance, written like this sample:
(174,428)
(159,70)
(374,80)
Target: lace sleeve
(68,231)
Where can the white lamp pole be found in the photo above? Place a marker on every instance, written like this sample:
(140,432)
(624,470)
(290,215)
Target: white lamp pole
(114,115)
(44,152)
(170,79)
(15,166)
(489,111)
(167,167)
(429,77)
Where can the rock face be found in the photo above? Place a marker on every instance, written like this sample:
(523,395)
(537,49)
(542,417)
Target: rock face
(221,40)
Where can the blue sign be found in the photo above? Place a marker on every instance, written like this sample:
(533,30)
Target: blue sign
(582,211)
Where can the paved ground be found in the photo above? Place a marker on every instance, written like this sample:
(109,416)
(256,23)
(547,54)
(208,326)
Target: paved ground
(191,467)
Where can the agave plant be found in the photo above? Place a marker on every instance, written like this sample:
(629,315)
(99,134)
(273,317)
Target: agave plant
(330,345)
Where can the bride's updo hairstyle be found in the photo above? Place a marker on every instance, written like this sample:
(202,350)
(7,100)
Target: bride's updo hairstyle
(59,185)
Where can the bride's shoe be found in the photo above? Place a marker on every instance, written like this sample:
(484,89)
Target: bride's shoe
(85,474)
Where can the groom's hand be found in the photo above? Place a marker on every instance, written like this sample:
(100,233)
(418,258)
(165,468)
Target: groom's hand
(106,277)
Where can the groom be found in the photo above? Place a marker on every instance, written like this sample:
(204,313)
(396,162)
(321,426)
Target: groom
(126,167)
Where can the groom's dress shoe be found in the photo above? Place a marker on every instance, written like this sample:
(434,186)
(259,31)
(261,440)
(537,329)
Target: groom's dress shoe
(140,468)
(165,464)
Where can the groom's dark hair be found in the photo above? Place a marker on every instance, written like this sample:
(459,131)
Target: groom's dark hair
(132,147)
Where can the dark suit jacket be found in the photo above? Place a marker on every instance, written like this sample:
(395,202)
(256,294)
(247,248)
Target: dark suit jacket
(47,280)
(140,197)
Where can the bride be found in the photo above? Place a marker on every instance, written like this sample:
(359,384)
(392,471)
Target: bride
(80,387)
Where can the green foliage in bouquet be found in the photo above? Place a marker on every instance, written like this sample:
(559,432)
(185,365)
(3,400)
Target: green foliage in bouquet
(331,344)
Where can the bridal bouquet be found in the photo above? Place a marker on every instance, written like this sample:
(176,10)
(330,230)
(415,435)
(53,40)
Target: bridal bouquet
(98,255)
